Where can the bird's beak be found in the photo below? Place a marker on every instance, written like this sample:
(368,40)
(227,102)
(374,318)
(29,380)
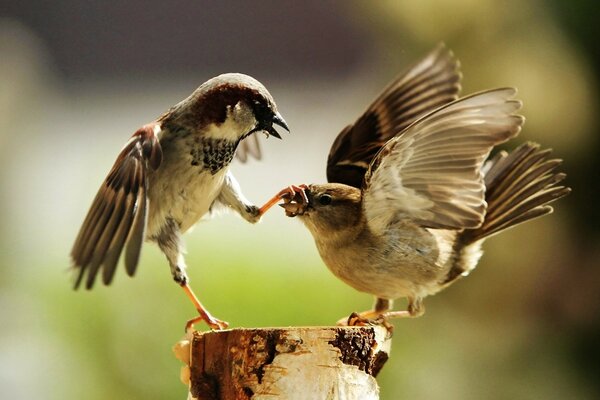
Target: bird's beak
(292,209)
(277,120)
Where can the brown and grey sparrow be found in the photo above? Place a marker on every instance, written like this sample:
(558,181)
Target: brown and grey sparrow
(411,198)
(172,172)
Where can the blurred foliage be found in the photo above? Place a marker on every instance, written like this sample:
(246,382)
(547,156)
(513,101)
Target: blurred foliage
(524,325)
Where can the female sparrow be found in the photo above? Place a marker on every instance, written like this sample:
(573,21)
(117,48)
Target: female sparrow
(411,198)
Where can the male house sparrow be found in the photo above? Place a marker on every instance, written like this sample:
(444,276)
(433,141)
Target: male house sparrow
(410,199)
(169,174)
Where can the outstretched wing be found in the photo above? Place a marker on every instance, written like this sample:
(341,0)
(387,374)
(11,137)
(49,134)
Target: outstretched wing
(431,83)
(117,217)
(431,173)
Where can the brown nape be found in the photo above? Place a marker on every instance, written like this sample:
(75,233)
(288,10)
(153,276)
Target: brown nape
(209,103)
(519,187)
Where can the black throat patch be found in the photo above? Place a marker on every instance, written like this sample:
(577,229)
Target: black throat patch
(212,154)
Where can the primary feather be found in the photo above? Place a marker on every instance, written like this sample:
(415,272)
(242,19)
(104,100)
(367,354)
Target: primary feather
(117,217)
(429,84)
(431,172)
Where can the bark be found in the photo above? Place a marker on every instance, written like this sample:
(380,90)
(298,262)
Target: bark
(285,363)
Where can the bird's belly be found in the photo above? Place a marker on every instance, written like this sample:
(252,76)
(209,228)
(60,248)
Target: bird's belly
(184,196)
(399,270)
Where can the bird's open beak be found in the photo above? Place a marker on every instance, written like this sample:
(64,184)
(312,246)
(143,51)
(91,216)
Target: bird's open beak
(277,120)
(292,208)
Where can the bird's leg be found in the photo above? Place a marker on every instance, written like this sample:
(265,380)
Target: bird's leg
(180,277)
(231,195)
(415,309)
(287,193)
(366,317)
(205,316)
(381,313)
(170,243)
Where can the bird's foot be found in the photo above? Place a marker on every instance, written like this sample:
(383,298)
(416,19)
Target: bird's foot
(368,318)
(295,200)
(253,214)
(287,194)
(212,322)
(205,316)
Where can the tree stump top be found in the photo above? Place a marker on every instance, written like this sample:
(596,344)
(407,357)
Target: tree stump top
(294,362)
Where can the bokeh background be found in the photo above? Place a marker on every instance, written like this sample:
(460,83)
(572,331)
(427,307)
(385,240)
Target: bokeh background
(77,78)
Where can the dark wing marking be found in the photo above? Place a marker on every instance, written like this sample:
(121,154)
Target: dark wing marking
(431,83)
(432,172)
(117,217)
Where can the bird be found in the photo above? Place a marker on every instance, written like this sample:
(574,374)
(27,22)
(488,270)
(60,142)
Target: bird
(412,192)
(171,173)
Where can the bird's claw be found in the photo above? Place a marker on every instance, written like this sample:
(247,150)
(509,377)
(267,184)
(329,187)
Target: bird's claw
(294,199)
(294,193)
(287,195)
(356,319)
(214,323)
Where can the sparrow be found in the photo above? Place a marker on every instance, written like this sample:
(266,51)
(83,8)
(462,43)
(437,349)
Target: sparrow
(411,198)
(170,174)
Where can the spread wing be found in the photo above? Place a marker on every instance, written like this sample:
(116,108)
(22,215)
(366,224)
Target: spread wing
(431,173)
(250,146)
(117,218)
(431,83)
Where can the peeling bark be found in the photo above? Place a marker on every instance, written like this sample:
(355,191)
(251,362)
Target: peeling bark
(290,363)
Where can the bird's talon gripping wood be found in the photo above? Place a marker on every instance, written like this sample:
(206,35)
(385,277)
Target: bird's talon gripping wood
(353,320)
(211,321)
(368,318)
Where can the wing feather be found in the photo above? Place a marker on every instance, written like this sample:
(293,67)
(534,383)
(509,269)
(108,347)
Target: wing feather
(137,233)
(431,173)
(429,84)
(117,217)
(520,186)
(249,146)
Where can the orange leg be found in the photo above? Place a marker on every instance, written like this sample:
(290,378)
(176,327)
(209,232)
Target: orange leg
(288,191)
(205,316)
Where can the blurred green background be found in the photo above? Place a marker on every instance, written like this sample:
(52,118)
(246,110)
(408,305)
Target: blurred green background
(77,78)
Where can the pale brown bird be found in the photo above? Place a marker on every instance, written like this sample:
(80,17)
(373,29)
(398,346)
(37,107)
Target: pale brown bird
(410,199)
(170,174)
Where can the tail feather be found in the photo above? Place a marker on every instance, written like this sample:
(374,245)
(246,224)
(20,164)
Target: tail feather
(519,187)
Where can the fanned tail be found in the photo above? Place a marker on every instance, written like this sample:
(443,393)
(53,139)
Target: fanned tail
(519,187)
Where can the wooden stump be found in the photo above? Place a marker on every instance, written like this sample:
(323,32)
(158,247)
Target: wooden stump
(284,363)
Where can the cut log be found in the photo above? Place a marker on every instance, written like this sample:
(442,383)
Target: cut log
(284,363)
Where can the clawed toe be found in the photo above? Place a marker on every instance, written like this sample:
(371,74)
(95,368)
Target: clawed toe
(368,319)
(214,323)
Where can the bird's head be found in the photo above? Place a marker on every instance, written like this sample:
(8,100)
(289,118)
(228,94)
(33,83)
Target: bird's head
(230,106)
(326,209)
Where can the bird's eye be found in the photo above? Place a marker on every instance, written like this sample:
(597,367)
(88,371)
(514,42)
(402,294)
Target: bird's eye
(261,111)
(325,200)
